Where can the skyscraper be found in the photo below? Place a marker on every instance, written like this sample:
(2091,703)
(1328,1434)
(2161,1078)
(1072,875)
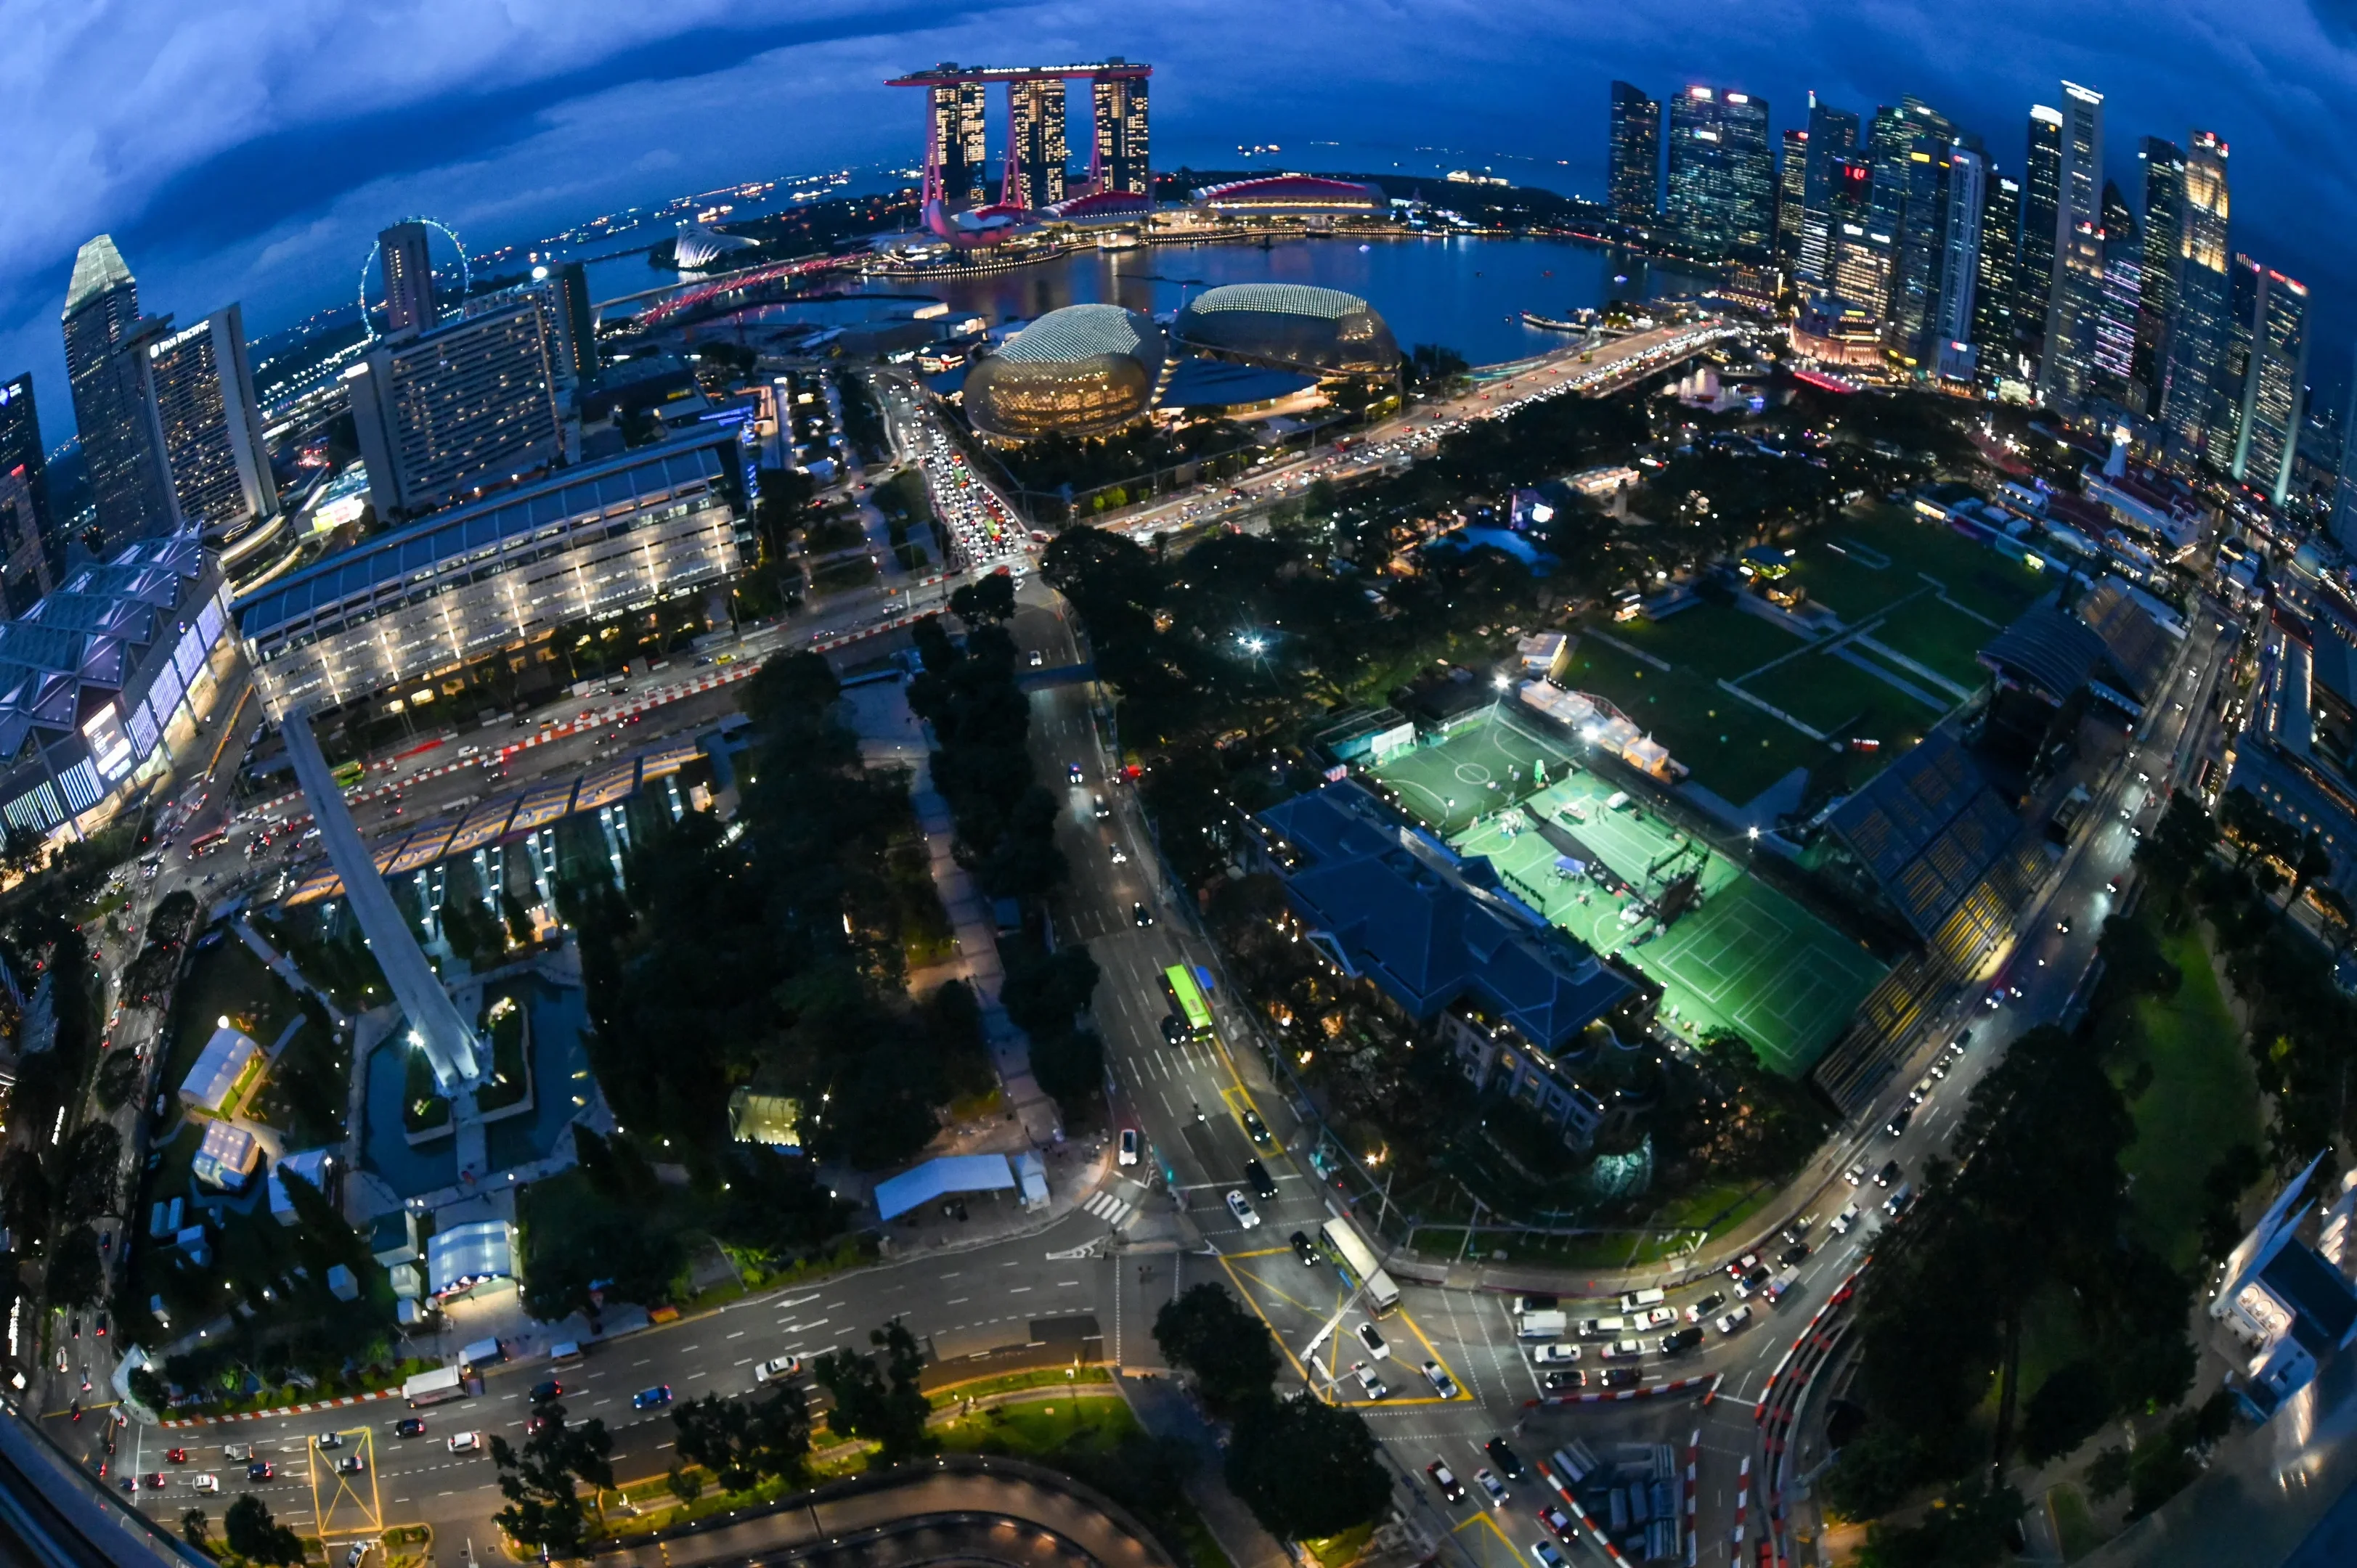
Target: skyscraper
(1633,178)
(1833,136)
(408,271)
(1999,283)
(24,573)
(1036,154)
(1861,260)
(2113,371)
(2344,491)
(957,123)
(1117,160)
(1792,194)
(469,404)
(2268,345)
(2164,218)
(2041,197)
(1959,265)
(1922,241)
(1722,189)
(21,447)
(212,429)
(2074,305)
(572,283)
(2193,394)
(115,400)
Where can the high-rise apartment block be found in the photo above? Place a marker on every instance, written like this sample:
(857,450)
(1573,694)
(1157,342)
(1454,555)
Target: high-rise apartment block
(957,140)
(212,427)
(1633,179)
(2195,393)
(1722,173)
(408,271)
(451,412)
(115,402)
(1117,156)
(2074,305)
(2164,224)
(1833,136)
(1035,153)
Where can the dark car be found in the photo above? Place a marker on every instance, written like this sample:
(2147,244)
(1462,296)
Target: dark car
(409,1427)
(353,1464)
(1505,1458)
(1555,1382)
(542,1393)
(1305,1249)
(1255,1128)
(1446,1479)
(1174,1029)
(259,1470)
(1620,1377)
(652,1399)
(1793,1254)
(1711,1302)
(1257,1176)
(1898,1123)
(1887,1174)
(1138,916)
(1683,1340)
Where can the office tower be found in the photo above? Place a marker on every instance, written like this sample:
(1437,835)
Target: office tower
(572,284)
(468,406)
(1722,190)
(2075,303)
(1959,265)
(212,429)
(2268,349)
(1886,138)
(2042,196)
(957,131)
(2344,492)
(1117,160)
(408,273)
(2120,306)
(1922,243)
(21,447)
(1792,194)
(1999,281)
(24,573)
(1035,144)
(2193,391)
(1833,136)
(114,402)
(2164,218)
(1861,260)
(1633,178)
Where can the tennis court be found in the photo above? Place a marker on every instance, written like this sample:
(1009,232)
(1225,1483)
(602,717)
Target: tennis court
(1745,957)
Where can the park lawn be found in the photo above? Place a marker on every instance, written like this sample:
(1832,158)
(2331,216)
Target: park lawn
(224,981)
(1735,750)
(1939,637)
(1847,584)
(1717,640)
(2075,1529)
(1844,701)
(1088,1424)
(2203,1098)
(1973,575)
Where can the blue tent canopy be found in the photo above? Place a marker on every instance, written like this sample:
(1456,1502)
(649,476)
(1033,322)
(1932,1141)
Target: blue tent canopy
(939,1179)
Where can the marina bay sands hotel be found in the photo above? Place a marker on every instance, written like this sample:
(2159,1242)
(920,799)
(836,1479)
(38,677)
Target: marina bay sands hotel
(1035,179)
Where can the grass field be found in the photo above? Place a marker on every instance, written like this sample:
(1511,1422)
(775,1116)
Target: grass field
(1748,958)
(1942,637)
(1844,701)
(1717,640)
(2201,1099)
(1973,574)
(1733,750)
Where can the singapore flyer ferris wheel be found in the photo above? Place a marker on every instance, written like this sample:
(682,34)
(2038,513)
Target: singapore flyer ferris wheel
(375,263)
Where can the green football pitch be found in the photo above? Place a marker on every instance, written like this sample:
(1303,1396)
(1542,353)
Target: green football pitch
(1746,957)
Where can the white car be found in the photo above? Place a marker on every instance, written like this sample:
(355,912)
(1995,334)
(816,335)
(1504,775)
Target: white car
(1241,1206)
(465,1442)
(1129,1145)
(1844,1219)
(1496,1489)
(1620,1348)
(1376,1387)
(207,1484)
(1552,1355)
(772,1370)
(1656,1317)
(1734,1320)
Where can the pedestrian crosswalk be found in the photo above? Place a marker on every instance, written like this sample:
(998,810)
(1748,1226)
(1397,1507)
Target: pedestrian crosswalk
(1115,1211)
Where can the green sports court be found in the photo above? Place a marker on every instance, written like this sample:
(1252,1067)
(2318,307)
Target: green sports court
(1745,957)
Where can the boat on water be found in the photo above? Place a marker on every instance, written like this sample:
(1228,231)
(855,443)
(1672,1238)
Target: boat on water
(1533,318)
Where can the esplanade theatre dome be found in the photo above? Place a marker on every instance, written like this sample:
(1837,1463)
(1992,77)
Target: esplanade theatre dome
(1081,371)
(1322,331)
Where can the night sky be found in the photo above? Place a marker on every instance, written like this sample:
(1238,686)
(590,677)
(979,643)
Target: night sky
(250,149)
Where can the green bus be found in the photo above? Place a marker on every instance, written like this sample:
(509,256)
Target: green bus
(1186,1001)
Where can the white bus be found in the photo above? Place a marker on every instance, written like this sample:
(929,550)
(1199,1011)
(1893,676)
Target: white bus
(1358,1266)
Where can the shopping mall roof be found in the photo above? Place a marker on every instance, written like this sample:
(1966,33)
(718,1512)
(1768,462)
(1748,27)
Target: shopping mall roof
(480,527)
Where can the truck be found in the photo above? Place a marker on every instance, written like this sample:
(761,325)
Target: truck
(1779,1285)
(435,1387)
(483,1353)
(1541,1325)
